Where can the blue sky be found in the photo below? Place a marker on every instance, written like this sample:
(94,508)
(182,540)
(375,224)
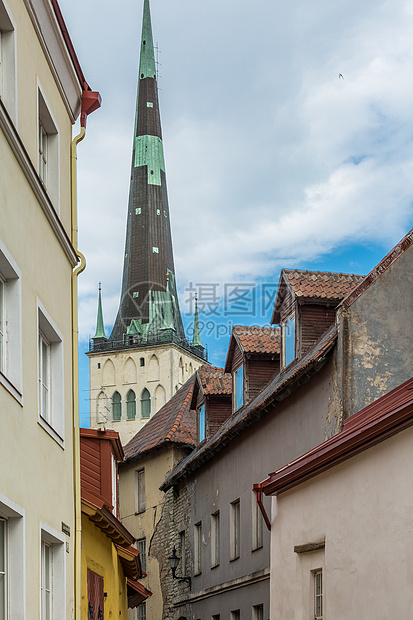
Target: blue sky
(272,159)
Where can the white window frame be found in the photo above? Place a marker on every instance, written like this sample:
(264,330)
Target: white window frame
(16,565)
(8,78)
(141,547)
(234,529)
(52,419)
(238,400)
(55,542)
(140,493)
(4,568)
(48,149)
(318,593)
(197,548)
(215,539)
(11,374)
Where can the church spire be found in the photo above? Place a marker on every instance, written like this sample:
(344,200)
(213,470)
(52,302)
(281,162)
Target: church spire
(100,328)
(146,298)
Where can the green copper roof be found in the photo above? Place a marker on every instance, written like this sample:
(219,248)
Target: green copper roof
(100,328)
(147,67)
(196,340)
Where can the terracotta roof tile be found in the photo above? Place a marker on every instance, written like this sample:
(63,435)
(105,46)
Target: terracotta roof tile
(214,380)
(258,339)
(321,284)
(278,388)
(173,423)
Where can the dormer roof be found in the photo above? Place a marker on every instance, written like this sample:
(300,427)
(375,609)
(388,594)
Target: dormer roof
(253,339)
(314,286)
(214,380)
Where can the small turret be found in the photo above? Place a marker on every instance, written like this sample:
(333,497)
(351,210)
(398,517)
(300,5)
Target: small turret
(100,328)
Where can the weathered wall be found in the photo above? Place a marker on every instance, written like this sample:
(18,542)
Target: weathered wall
(363,510)
(377,336)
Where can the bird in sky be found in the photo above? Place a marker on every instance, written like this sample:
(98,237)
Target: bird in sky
(340,76)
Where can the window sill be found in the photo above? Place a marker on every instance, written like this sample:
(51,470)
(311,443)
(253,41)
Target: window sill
(215,566)
(257,548)
(235,559)
(11,388)
(50,431)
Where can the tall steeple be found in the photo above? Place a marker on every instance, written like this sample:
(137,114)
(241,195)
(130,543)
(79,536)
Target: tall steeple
(100,328)
(149,305)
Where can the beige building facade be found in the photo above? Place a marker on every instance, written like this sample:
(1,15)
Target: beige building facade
(41,91)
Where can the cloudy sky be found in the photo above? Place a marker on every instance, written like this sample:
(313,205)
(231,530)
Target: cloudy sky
(288,137)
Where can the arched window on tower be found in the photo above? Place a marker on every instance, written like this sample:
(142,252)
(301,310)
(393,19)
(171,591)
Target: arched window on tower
(131,405)
(145,404)
(116,407)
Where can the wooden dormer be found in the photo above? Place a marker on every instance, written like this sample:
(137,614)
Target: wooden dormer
(253,359)
(305,307)
(212,400)
(100,453)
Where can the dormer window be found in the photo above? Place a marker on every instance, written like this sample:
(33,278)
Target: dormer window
(201,423)
(288,339)
(238,388)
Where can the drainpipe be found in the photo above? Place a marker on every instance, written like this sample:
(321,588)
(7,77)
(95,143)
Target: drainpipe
(90,101)
(258,491)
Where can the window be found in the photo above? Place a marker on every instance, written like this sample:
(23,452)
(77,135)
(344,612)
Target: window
(182,542)
(142,361)
(12,559)
(141,545)
(216,617)
(258,612)
(318,595)
(3,569)
(257,524)
(10,324)
(235,615)
(145,404)
(52,573)
(288,339)
(50,377)
(239,388)
(215,539)
(197,547)
(7,62)
(201,423)
(131,405)
(140,499)
(116,407)
(141,611)
(235,529)
(48,150)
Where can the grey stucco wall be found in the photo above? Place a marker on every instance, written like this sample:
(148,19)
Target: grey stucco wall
(377,330)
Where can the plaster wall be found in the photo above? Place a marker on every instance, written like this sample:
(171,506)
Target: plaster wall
(288,429)
(362,508)
(377,330)
(99,555)
(143,525)
(165,370)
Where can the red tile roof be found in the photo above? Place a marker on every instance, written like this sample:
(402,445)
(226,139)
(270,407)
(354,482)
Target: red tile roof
(214,380)
(278,388)
(253,339)
(322,286)
(173,423)
(381,419)
(258,339)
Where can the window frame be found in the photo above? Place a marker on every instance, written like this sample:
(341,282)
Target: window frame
(55,541)
(131,405)
(14,515)
(141,547)
(8,67)
(318,595)
(54,423)
(198,548)
(202,423)
(235,529)
(11,364)
(48,135)
(215,539)
(182,542)
(289,339)
(258,612)
(257,525)
(147,407)
(140,492)
(238,381)
(116,405)
(4,566)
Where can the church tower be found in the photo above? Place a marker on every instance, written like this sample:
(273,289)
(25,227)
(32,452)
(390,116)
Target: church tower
(147,357)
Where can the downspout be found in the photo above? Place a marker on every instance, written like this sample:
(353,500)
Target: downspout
(258,491)
(90,101)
